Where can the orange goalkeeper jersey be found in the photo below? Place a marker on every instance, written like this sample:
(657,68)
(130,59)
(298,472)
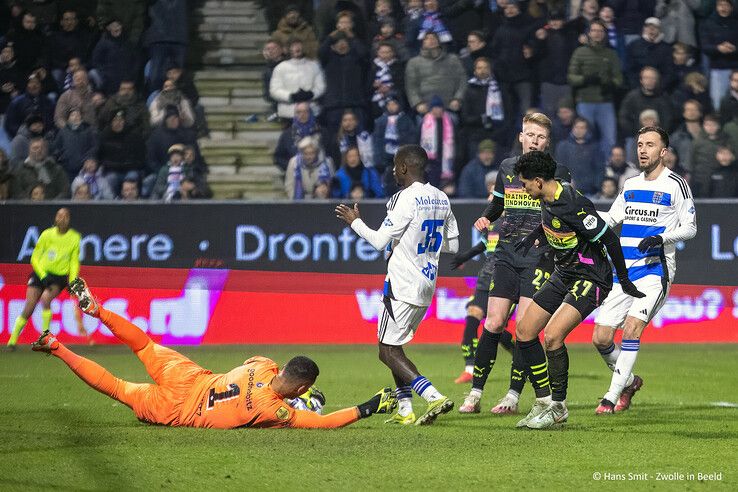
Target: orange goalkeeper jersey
(244,398)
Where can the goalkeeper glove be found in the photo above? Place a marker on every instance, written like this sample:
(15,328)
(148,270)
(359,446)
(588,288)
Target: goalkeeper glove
(384,401)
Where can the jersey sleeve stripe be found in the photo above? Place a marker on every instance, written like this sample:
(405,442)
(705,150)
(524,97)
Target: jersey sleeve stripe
(604,228)
(682,185)
(498,194)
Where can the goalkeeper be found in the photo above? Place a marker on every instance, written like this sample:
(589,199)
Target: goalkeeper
(185,394)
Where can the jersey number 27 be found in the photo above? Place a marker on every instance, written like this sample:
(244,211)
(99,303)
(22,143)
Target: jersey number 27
(433,236)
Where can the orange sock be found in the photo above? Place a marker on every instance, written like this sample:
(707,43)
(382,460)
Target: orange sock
(93,374)
(124,330)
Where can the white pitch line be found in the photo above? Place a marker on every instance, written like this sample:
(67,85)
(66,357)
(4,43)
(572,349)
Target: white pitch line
(724,404)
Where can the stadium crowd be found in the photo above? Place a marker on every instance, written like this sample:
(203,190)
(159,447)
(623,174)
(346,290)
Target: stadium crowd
(351,81)
(95,102)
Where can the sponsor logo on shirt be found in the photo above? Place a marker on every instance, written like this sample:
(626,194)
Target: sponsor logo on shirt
(636,214)
(282,413)
(426,200)
(519,198)
(590,222)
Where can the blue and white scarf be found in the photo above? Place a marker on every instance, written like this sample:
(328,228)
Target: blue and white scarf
(384,77)
(493,105)
(432,23)
(391,135)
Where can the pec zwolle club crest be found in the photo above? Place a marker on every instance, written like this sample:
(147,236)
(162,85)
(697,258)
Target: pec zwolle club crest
(657,196)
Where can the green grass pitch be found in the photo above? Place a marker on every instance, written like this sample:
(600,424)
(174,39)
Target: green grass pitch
(56,432)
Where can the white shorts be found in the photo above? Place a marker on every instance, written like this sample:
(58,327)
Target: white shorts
(397,325)
(618,304)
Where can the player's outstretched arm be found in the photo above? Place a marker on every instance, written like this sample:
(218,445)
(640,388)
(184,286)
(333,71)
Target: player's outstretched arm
(611,242)
(461,258)
(382,402)
(491,213)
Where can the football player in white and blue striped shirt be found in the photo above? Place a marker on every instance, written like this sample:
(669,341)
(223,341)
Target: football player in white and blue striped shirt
(657,211)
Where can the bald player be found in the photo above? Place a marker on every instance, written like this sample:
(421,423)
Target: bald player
(185,394)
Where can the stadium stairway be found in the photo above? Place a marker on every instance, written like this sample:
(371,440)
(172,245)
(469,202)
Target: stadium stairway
(226,58)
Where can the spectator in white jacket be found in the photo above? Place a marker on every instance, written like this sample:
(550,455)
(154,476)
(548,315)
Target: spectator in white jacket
(297,79)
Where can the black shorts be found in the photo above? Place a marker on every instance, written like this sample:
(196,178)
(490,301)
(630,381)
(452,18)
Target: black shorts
(479,299)
(61,280)
(584,295)
(484,277)
(513,282)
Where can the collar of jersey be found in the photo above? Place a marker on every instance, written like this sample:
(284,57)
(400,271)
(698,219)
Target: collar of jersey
(559,189)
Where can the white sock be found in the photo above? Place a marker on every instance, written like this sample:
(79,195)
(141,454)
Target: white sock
(476,392)
(513,395)
(425,389)
(610,355)
(469,369)
(623,369)
(405,407)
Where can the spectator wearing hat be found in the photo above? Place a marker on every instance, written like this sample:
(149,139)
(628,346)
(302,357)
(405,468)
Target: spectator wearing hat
(80,96)
(178,179)
(438,139)
(128,101)
(345,64)
(649,50)
(484,110)
(309,173)
(158,144)
(473,176)
(392,130)
(74,143)
(114,58)
(91,176)
(296,79)
(32,128)
(581,154)
(291,27)
(434,72)
(353,172)
(389,78)
(37,168)
(595,76)
(32,101)
(70,41)
(553,46)
(166,38)
(121,152)
(170,96)
(719,39)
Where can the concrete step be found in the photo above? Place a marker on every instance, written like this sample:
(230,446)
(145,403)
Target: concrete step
(235,161)
(214,75)
(228,56)
(213,27)
(228,4)
(252,39)
(208,90)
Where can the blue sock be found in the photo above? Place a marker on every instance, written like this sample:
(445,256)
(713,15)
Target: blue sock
(425,389)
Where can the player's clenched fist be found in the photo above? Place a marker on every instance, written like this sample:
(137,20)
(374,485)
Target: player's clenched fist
(481,224)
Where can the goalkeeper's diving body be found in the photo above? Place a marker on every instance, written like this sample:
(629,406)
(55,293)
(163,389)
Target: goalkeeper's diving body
(185,394)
